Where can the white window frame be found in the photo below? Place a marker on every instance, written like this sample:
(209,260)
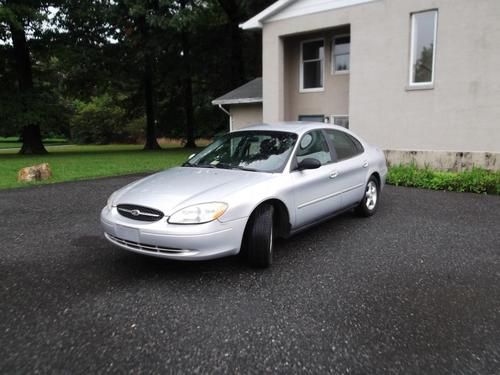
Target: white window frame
(412,50)
(334,70)
(301,68)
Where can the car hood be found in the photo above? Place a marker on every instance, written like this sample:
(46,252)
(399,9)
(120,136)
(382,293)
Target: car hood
(179,187)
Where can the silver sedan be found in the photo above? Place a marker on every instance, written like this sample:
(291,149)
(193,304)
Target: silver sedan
(244,190)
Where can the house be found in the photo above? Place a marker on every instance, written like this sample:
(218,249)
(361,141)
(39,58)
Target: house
(419,78)
(244,103)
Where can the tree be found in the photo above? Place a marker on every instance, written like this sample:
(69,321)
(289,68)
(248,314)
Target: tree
(235,15)
(164,59)
(15,17)
(139,19)
(114,49)
(183,22)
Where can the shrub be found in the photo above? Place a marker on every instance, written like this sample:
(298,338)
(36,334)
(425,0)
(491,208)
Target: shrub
(134,131)
(97,121)
(477,180)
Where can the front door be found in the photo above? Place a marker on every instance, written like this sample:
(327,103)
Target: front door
(316,190)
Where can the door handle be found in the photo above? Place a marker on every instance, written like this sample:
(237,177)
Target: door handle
(334,174)
(365,164)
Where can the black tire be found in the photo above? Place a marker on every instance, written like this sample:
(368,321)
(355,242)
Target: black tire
(368,206)
(258,241)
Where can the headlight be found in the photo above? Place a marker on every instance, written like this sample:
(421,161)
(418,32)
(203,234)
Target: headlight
(109,204)
(198,214)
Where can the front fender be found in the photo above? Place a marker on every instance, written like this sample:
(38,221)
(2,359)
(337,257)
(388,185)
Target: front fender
(243,203)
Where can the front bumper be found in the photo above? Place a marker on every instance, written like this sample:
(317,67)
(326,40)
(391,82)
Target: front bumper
(164,240)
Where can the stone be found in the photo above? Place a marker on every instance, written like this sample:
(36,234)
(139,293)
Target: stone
(34,173)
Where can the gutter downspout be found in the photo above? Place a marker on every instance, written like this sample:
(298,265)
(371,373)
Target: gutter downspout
(229,114)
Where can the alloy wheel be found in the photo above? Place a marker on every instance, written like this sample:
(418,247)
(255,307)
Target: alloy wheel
(371,195)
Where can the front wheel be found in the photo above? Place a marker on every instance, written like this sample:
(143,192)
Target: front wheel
(368,206)
(259,237)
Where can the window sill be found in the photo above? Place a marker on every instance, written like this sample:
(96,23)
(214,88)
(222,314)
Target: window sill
(427,86)
(341,72)
(305,91)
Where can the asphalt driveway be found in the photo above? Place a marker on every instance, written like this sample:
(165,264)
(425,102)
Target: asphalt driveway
(415,289)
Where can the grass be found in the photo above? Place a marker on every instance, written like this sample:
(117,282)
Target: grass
(69,163)
(13,142)
(476,180)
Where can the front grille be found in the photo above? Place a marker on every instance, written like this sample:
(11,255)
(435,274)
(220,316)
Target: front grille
(139,212)
(144,247)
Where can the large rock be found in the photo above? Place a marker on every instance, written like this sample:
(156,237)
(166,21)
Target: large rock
(34,173)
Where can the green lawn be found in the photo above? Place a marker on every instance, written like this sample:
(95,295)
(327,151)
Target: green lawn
(86,162)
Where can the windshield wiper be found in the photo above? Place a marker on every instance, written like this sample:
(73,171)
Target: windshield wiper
(244,168)
(220,166)
(230,166)
(204,165)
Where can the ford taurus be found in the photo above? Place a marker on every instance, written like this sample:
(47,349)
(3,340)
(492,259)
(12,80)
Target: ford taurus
(246,189)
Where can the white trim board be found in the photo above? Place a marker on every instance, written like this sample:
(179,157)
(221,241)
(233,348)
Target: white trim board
(413,37)
(236,101)
(283,9)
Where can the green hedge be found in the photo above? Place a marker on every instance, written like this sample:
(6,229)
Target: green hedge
(476,180)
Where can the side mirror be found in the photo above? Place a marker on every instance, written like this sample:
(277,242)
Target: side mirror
(191,156)
(309,163)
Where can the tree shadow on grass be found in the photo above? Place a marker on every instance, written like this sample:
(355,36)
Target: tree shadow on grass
(90,153)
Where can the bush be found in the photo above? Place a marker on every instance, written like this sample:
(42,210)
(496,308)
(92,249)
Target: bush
(99,121)
(135,130)
(477,180)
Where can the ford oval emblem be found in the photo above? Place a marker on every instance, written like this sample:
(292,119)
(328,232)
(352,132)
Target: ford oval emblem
(135,212)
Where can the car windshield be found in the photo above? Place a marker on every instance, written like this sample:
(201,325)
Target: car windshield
(258,151)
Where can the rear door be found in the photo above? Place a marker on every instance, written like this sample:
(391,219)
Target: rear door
(315,190)
(351,166)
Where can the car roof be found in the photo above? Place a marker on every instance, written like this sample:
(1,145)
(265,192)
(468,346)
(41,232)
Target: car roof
(298,127)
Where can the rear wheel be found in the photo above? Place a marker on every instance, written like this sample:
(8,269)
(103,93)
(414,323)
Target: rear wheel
(368,206)
(259,237)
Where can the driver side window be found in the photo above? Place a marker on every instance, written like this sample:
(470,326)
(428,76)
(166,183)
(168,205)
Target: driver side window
(313,145)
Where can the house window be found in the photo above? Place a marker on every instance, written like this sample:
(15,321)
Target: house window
(312,118)
(423,47)
(312,66)
(341,54)
(342,120)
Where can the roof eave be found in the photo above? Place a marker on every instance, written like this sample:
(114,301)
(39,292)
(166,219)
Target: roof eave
(236,101)
(251,24)
(256,22)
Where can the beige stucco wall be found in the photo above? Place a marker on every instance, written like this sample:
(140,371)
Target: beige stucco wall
(243,115)
(334,100)
(444,160)
(462,111)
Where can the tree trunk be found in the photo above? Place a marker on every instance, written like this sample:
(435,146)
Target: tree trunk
(32,140)
(151,142)
(188,92)
(237,66)
(234,15)
(30,134)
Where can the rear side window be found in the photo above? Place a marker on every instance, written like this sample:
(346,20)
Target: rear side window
(358,144)
(345,145)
